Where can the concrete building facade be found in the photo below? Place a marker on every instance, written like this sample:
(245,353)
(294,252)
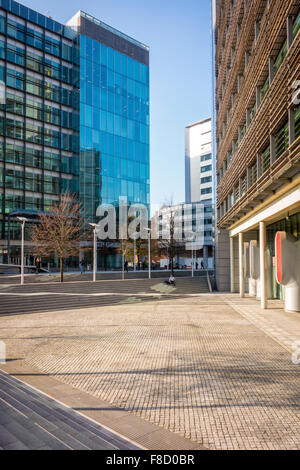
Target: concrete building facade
(257,108)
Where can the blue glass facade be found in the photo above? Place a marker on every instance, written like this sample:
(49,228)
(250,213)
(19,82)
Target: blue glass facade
(114,126)
(75,115)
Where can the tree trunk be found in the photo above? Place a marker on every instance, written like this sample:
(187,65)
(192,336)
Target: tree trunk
(61,263)
(172,266)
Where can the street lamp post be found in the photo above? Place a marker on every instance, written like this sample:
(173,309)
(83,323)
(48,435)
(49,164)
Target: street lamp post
(134,254)
(192,238)
(94,252)
(149,252)
(22,220)
(192,258)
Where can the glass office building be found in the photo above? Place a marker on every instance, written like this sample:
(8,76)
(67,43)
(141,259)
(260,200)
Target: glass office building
(74,115)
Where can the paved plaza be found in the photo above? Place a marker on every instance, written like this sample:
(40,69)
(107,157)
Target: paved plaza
(211,368)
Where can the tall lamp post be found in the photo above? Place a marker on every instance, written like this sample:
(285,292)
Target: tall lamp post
(22,220)
(94,252)
(149,252)
(192,241)
(134,253)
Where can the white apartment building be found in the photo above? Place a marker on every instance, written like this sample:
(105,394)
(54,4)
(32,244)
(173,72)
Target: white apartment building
(199,180)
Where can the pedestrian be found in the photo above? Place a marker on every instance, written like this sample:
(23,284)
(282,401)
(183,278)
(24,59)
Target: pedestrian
(126,266)
(202,265)
(196,265)
(171,281)
(81,267)
(38,265)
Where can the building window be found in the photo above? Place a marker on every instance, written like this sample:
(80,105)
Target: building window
(297,122)
(252,113)
(207,179)
(264,89)
(206,191)
(237,193)
(244,184)
(204,158)
(206,168)
(265,159)
(280,58)
(252,174)
(296,26)
(282,140)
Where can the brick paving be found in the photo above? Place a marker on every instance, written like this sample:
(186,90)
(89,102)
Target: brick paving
(197,366)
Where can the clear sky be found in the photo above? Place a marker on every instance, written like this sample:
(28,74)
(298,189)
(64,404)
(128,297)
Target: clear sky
(179,35)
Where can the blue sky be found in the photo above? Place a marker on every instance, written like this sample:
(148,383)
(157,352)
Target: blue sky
(179,35)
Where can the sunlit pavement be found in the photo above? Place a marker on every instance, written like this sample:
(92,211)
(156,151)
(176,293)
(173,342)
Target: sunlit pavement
(212,368)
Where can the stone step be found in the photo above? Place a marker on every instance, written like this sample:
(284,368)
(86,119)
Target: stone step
(31,420)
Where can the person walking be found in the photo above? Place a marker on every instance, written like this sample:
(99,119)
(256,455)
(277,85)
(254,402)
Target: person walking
(126,266)
(38,265)
(81,267)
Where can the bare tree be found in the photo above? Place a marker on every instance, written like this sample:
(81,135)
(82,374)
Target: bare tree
(169,244)
(60,231)
(141,249)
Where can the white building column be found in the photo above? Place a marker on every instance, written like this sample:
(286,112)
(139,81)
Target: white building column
(263,267)
(241,264)
(232,265)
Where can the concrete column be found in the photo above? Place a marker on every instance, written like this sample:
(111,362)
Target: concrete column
(247,118)
(291,114)
(248,178)
(263,266)
(232,265)
(239,134)
(239,82)
(289,31)
(247,56)
(241,265)
(240,187)
(257,29)
(272,149)
(258,91)
(258,161)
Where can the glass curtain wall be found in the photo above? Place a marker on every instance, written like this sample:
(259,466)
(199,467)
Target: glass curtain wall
(114,127)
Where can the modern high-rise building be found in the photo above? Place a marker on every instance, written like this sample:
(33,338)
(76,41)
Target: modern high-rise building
(194,220)
(74,115)
(198,162)
(257,100)
(199,180)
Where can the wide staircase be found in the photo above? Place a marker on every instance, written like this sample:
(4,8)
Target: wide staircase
(31,420)
(30,298)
